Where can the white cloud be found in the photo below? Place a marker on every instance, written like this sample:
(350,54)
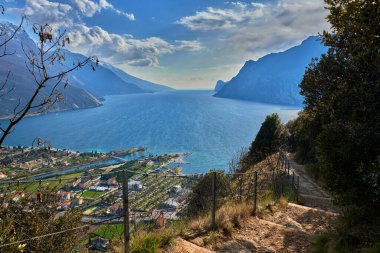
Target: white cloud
(89,8)
(61,14)
(216,18)
(249,31)
(110,47)
(44,11)
(120,49)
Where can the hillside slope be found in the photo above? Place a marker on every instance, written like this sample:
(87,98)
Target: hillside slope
(279,228)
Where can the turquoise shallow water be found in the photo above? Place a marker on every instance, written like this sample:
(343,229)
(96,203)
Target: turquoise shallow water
(211,129)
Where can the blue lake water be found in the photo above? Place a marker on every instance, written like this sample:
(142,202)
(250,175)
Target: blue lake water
(211,129)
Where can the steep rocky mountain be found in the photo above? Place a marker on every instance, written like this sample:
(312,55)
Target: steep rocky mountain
(219,85)
(274,78)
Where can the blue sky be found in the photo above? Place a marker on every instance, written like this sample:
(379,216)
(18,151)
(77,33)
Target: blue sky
(186,44)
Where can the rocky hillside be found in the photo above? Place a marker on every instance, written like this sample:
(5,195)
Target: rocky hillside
(274,78)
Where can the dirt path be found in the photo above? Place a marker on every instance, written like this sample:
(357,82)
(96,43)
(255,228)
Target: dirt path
(282,229)
(287,229)
(311,194)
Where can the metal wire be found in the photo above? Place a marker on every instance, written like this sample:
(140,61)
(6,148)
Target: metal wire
(57,233)
(245,184)
(17,182)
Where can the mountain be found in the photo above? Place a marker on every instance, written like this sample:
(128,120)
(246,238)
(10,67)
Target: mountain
(274,78)
(143,84)
(85,88)
(20,83)
(219,85)
(101,82)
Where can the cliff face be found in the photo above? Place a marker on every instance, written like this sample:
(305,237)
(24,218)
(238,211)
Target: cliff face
(219,85)
(274,78)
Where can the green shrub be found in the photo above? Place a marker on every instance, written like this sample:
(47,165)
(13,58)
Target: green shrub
(320,243)
(374,248)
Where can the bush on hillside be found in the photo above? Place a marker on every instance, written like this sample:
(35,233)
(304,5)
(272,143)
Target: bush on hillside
(200,198)
(268,139)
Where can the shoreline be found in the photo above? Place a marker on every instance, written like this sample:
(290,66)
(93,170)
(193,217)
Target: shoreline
(54,111)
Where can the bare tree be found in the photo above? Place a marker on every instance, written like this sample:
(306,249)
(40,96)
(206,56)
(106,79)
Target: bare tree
(4,40)
(239,162)
(40,60)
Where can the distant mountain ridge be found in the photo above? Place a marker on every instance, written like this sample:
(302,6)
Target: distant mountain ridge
(273,78)
(143,84)
(86,86)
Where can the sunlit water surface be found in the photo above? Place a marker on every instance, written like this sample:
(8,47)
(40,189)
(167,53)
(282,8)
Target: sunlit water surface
(211,129)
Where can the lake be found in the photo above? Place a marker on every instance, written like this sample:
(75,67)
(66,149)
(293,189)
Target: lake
(211,129)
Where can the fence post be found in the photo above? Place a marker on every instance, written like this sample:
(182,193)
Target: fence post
(254,193)
(274,183)
(134,222)
(282,164)
(293,177)
(293,184)
(285,167)
(240,187)
(298,188)
(213,204)
(126,212)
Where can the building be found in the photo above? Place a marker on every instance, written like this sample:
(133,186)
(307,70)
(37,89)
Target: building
(98,243)
(63,195)
(134,185)
(85,183)
(111,182)
(74,182)
(170,205)
(76,201)
(2,175)
(64,205)
(17,195)
(115,209)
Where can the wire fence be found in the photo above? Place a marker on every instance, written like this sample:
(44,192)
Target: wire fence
(115,204)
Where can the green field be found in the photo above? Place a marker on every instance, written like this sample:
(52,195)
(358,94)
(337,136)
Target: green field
(32,187)
(110,231)
(92,194)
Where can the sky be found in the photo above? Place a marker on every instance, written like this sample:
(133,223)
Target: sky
(185,44)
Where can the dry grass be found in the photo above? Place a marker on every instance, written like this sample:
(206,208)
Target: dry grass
(228,217)
(150,240)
